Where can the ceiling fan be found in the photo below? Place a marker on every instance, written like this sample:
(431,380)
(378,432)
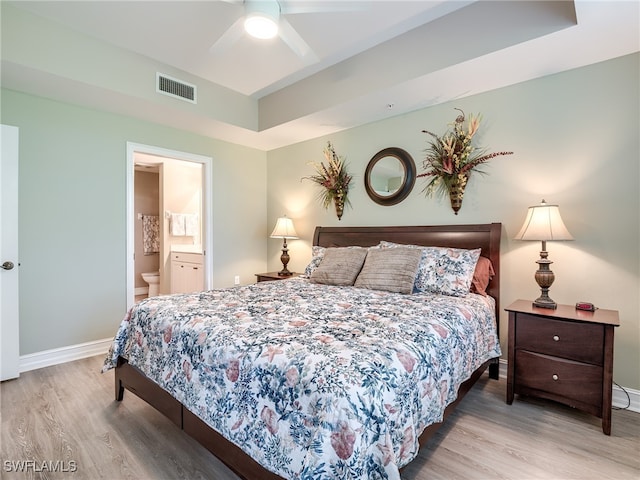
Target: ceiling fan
(265,19)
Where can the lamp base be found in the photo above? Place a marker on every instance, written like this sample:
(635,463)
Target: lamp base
(545,277)
(284,258)
(545,302)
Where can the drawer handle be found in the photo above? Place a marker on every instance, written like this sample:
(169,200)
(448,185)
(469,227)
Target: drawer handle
(556,338)
(554,376)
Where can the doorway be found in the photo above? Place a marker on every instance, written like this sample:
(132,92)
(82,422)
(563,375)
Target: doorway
(160,157)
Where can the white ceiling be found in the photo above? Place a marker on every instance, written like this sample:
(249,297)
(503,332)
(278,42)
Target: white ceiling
(370,59)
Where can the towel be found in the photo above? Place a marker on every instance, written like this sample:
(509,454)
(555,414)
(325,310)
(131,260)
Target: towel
(192,225)
(178,224)
(150,234)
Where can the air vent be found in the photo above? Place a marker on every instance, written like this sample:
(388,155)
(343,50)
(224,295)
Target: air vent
(175,88)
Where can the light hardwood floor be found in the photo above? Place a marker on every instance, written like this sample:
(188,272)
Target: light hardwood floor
(67,414)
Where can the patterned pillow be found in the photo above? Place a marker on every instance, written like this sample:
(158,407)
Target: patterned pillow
(317,254)
(390,269)
(443,270)
(339,266)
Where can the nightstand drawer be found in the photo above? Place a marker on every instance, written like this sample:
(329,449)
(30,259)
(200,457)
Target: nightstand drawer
(568,379)
(572,340)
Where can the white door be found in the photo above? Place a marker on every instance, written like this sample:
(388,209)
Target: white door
(9,333)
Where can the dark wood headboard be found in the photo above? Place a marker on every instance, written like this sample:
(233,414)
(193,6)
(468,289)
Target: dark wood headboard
(485,236)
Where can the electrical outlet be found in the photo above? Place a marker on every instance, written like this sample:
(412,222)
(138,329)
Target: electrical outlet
(236,280)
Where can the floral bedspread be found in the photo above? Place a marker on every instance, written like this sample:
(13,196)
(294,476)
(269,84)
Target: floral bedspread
(312,381)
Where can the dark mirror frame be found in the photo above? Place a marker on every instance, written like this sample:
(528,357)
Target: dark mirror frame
(407,183)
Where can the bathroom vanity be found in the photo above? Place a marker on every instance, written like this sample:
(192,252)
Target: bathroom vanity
(187,272)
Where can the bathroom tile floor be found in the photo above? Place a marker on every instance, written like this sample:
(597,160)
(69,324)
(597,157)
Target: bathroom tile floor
(139,298)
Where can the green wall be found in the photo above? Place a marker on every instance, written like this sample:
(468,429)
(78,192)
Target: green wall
(575,138)
(576,143)
(72,215)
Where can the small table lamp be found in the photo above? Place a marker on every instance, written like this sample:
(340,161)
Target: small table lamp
(284,229)
(544,223)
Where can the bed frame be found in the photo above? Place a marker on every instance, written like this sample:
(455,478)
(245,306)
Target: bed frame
(484,236)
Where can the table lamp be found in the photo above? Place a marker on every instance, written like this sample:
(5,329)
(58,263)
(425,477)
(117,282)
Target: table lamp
(544,223)
(284,229)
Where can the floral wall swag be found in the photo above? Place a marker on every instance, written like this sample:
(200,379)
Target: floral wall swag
(334,180)
(451,158)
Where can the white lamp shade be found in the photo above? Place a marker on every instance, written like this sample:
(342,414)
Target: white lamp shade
(284,229)
(543,222)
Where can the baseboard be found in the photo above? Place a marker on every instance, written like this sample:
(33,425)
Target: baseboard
(502,363)
(56,356)
(619,399)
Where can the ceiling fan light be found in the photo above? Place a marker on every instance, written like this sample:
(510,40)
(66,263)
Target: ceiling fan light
(261,26)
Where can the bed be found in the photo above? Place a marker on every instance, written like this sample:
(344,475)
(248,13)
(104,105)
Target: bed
(300,379)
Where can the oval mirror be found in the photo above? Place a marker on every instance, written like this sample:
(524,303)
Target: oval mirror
(390,176)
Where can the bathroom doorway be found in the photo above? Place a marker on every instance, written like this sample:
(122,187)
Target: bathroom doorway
(168,170)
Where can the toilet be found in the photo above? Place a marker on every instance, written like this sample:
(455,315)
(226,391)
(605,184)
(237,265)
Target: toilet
(153,279)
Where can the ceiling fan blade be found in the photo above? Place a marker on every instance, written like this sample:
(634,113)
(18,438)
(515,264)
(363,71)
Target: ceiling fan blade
(295,42)
(321,7)
(228,38)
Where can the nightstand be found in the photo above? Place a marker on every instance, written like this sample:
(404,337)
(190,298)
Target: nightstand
(565,355)
(270,276)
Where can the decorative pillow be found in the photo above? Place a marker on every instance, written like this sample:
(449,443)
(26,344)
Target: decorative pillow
(482,275)
(390,269)
(317,254)
(443,270)
(339,266)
